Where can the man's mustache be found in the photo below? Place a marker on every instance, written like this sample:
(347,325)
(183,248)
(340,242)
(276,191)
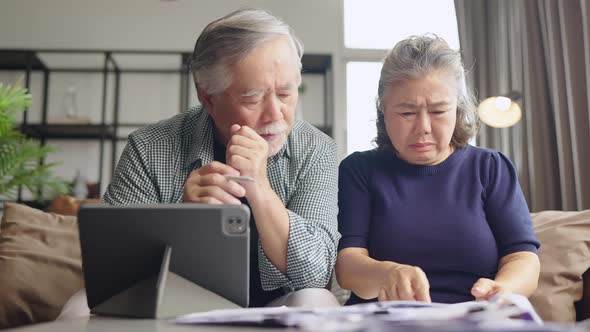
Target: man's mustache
(273,128)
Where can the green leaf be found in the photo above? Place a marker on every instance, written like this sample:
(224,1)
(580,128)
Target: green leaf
(20,156)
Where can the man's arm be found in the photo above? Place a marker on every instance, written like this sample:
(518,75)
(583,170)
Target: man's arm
(312,231)
(132,181)
(272,223)
(298,241)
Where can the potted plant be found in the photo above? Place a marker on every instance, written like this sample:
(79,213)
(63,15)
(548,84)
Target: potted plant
(19,155)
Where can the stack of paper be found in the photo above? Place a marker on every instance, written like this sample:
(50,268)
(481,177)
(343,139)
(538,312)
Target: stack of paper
(506,312)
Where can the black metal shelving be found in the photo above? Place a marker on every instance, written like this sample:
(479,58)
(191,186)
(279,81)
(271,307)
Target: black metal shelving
(69,131)
(29,61)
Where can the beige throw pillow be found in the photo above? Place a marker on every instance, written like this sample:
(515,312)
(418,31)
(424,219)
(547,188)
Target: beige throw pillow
(40,264)
(564,256)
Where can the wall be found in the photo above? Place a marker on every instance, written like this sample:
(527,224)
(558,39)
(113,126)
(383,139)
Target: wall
(151,25)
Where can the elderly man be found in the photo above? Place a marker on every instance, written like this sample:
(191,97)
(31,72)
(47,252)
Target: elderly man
(247,69)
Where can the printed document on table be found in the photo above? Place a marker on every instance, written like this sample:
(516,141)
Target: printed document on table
(497,309)
(246,315)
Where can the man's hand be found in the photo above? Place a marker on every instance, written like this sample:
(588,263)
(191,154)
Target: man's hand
(247,152)
(485,288)
(404,282)
(208,185)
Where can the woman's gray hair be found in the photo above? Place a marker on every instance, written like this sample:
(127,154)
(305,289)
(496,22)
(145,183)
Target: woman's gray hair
(415,58)
(229,40)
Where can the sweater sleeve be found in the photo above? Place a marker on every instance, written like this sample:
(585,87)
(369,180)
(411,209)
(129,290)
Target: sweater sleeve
(354,201)
(506,209)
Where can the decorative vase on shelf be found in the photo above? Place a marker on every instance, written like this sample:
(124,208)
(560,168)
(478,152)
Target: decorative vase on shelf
(70,113)
(71,102)
(80,188)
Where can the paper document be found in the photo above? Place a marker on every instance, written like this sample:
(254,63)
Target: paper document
(247,315)
(499,309)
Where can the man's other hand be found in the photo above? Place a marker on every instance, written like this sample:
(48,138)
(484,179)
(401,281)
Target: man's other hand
(209,185)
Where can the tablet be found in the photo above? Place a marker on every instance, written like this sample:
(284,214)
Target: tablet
(126,246)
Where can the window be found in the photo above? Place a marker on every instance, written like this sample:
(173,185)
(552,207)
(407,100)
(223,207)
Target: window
(362,79)
(371,27)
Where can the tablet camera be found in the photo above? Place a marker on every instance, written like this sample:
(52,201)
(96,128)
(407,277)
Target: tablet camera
(235,225)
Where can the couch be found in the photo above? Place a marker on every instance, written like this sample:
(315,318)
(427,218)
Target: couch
(40,266)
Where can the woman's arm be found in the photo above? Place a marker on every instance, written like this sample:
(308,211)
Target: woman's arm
(369,278)
(517,273)
(355,270)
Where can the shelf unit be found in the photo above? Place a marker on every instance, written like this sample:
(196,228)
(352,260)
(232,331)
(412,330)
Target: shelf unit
(111,68)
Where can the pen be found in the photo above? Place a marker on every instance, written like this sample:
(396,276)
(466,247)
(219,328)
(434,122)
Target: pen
(239,178)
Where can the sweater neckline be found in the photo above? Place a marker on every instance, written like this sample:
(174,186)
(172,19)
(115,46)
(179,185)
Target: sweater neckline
(447,164)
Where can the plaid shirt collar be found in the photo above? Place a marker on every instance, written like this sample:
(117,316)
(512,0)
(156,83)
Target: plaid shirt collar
(203,140)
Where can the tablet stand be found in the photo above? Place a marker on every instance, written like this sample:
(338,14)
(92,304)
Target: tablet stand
(163,295)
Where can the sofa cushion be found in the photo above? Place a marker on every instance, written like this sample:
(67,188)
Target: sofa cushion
(67,205)
(565,257)
(40,264)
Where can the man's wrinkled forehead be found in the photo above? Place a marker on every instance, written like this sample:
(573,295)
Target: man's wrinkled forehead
(285,63)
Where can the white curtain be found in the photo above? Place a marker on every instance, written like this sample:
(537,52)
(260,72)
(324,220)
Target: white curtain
(540,48)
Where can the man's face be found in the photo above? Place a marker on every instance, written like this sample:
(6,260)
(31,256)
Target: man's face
(263,95)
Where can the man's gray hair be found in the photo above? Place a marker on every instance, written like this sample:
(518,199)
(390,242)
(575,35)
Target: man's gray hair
(414,58)
(229,40)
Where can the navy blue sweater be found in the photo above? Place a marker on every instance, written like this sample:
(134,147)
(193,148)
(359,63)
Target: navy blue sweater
(454,220)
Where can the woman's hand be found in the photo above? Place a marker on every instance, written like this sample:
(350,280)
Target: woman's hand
(404,282)
(518,273)
(485,288)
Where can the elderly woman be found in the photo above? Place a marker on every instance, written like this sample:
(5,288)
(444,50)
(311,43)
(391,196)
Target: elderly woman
(425,216)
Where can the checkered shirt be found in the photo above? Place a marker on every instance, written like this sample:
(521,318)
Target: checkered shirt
(158,158)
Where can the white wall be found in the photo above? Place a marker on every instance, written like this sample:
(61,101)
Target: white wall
(150,24)
(153,25)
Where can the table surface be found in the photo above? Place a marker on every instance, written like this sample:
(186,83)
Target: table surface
(99,324)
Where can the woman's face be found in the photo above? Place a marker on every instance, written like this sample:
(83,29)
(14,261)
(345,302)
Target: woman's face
(420,117)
